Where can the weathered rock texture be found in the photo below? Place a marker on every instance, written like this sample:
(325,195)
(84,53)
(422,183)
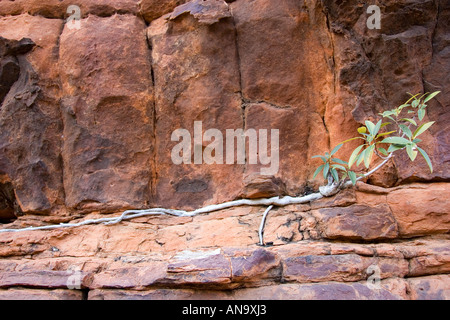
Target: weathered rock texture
(86,123)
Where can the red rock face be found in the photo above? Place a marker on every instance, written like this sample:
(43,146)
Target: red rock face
(108,128)
(109,101)
(196,79)
(87,117)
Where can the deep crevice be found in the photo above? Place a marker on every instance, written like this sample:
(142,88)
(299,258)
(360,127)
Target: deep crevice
(154,174)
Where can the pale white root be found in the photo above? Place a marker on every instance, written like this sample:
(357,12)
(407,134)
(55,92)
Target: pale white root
(131,214)
(326,191)
(261,227)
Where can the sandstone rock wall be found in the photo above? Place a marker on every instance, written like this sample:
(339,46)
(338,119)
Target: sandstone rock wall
(87,114)
(106,98)
(326,250)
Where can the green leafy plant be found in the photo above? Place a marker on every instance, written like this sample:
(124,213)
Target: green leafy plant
(377,140)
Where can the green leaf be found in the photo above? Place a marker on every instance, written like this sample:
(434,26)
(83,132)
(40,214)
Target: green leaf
(412,97)
(389,117)
(412,121)
(352,177)
(368,155)
(396,140)
(326,169)
(361,157)
(362,130)
(321,157)
(335,174)
(340,161)
(395,147)
(411,152)
(355,153)
(406,130)
(377,128)
(351,140)
(421,114)
(336,149)
(426,157)
(385,124)
(431,96)
(424,95)
(338,166)
(371,126)
(366,135)
(424,127)
(415,103)
(388,113)
(318,171)
(383,151)
(385,134)
(416,141)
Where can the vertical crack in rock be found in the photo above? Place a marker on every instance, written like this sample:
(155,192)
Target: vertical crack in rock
(56,53)
(432,45)
(154,173)
(239,68)
(197,81)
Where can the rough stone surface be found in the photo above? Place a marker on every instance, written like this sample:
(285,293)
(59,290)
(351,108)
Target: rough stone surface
(153,9)
(390,290)
(59,8)
(86,123)
(188,56)
(107,110)
(421,211)
(36,294)
(30,121)
(358,222)
(276,64)
(430,288)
